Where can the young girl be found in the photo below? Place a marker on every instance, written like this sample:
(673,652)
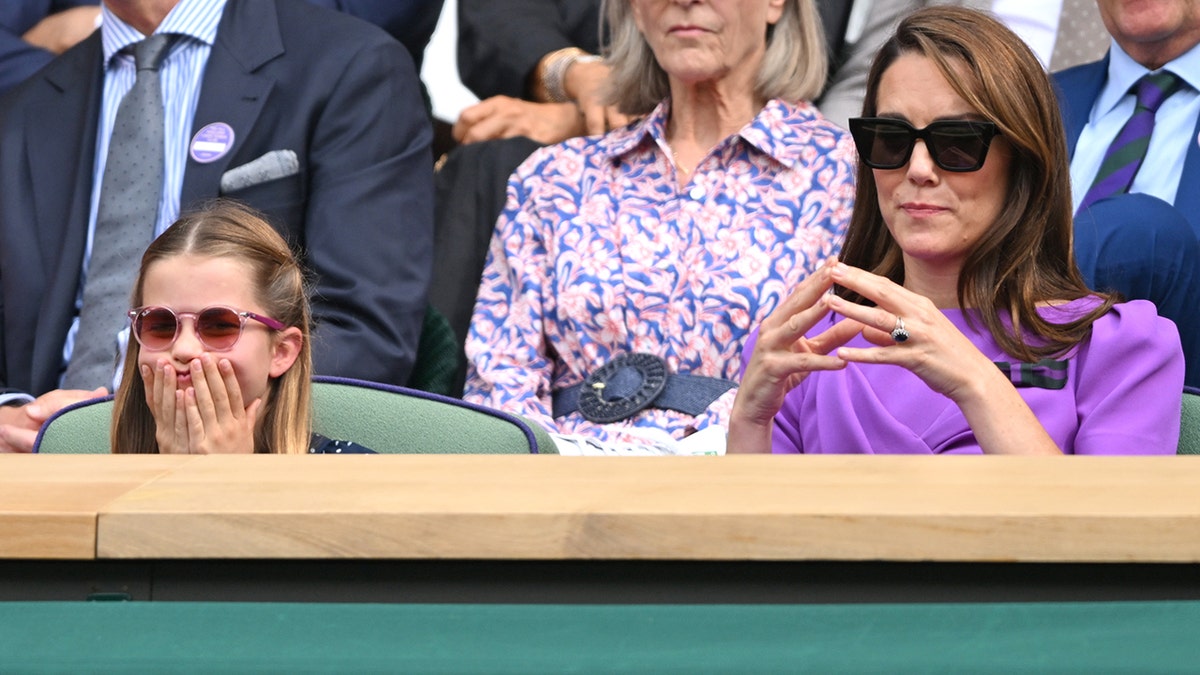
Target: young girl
(219,360)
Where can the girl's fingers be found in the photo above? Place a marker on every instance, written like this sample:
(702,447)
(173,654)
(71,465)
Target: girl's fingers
(218,387)
(178,427)
(232,391)
(169,387)
(195,422)
(165,389)
(203,387)
(148,387)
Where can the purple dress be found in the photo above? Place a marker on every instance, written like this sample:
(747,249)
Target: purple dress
(1117,393)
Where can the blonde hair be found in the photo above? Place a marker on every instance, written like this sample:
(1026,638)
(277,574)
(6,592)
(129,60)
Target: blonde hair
(225,229)
(793,68)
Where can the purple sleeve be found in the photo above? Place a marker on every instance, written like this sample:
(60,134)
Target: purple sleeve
(1130,384)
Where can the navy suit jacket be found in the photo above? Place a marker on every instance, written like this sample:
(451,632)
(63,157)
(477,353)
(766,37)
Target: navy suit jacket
(1079,87)
(284,75)
(412,22)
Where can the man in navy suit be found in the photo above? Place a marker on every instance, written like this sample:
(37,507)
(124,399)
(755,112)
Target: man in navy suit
(336,98)
(1148,36)
(1123,249)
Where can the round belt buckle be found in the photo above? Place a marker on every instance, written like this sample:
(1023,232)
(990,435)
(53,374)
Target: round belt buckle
(622,387)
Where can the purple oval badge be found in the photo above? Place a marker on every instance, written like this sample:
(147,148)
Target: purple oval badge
(212,142)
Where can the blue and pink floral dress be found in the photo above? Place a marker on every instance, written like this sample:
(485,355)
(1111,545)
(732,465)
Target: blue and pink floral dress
(600,252)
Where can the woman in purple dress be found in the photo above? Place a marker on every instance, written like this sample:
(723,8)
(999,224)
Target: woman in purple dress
(956,319)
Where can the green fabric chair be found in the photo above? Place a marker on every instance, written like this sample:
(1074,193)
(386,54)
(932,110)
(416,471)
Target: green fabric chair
(79,429)
(1189,428)
(384,418)
(395,420)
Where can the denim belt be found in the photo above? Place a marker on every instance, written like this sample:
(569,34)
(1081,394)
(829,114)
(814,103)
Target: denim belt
(631,383)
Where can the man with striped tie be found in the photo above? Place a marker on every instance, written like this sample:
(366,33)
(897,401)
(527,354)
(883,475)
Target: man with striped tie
(309,115)
(1133,128)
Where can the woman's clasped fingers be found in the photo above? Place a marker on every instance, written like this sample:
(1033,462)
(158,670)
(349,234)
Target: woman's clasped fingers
(909,331)
(798,312)
(878,326)
(884,292)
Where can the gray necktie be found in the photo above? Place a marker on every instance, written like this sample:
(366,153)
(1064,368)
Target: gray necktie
(125,218)
(1081,37)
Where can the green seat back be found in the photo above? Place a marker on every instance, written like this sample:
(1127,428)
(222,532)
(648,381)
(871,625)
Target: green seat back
(384,418)
(394,420)
(1189,428)
(82,428)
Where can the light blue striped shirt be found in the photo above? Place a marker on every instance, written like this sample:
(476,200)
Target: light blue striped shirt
(180,74)
(1174,126)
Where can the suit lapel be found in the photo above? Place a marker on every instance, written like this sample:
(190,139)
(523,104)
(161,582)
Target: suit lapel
(1078,89)
(63,157)
(233,92)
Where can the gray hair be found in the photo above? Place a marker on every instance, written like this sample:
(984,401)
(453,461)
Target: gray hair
(793,68)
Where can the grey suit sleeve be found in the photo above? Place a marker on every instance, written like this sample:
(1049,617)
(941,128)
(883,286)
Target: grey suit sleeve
(843,98)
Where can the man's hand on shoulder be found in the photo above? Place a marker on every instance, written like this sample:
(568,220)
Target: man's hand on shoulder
(19,424)
(584,83)
(60,31)
(506,117)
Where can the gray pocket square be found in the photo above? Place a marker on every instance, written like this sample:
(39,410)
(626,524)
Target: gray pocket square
(274,165)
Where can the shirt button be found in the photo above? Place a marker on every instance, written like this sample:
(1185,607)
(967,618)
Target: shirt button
(696,193)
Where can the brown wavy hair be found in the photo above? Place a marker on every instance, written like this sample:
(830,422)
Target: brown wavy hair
(1026,258)
(224,229)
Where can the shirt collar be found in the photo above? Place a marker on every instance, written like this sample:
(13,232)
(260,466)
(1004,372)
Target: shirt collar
(774,131)
(197,19)
(1123,72)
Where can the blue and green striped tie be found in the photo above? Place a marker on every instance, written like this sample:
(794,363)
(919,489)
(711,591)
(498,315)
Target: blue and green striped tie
(1124,157)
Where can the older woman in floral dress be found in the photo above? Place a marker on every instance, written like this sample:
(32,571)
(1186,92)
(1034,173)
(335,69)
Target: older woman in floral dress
(627,269)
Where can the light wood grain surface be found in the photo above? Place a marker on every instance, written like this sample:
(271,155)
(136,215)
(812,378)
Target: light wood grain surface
(704,508)
(49,504)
